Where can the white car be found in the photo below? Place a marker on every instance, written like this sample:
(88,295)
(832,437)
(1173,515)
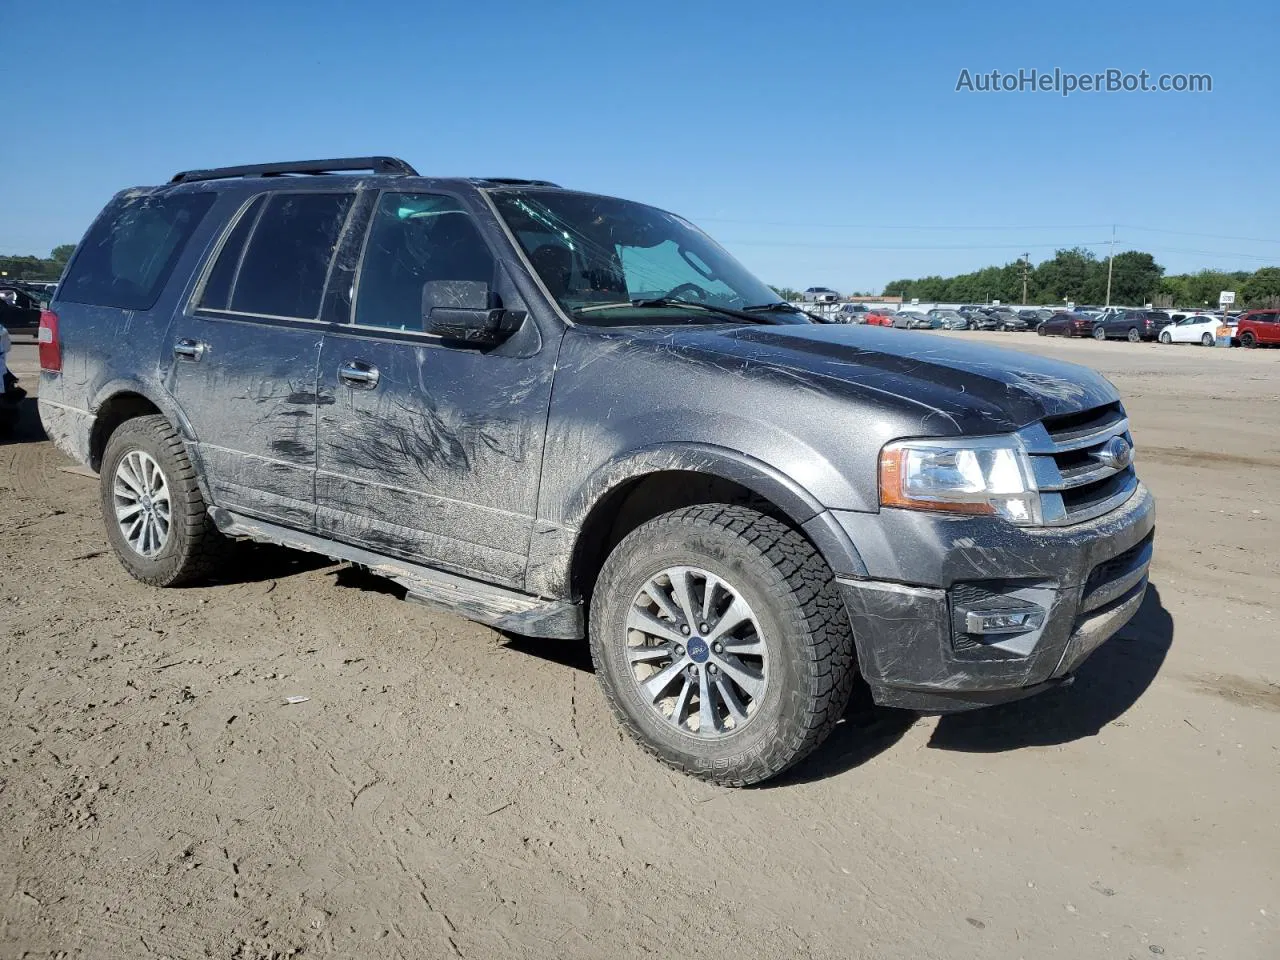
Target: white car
(1197,328)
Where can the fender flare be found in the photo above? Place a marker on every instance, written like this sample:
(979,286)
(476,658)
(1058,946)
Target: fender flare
(797,503)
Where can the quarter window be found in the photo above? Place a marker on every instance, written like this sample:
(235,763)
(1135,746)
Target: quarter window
(131,250)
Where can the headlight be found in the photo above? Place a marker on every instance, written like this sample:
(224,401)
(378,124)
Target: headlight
(982,475)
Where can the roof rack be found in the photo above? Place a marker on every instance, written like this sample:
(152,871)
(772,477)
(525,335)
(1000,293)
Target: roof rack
(380,165)
(515,182)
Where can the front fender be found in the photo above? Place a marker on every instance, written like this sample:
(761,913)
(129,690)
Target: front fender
(554,545)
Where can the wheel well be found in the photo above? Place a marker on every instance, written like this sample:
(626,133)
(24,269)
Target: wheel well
(118,409)
(638,501)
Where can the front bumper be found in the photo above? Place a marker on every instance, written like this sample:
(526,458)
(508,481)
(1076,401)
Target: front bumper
(924,570)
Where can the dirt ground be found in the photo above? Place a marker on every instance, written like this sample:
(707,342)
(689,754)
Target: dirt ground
(450,792)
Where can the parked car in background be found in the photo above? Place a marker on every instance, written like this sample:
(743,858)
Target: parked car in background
(982,320)
(912,320)
(1010,320)
(19,309)
(949,319)
(850,313)
(879,318)
(1201,328)
(1066,324)
(1259,328)
(1131,325)
(820,295)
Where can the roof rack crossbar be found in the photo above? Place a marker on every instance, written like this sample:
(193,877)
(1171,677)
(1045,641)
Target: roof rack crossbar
(380,165)
(515,182)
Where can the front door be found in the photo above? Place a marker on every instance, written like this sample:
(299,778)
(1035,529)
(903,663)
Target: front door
(244,359)
(429,450)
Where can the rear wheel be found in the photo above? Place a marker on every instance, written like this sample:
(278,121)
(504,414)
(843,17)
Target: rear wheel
(1207,339)
(721,642)
(156,518)
(1099,333)
(1247,339)
(1134,335)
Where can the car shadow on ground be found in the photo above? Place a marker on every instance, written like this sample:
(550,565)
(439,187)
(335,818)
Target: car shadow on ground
(26,426)
(261,562)
(1106,686)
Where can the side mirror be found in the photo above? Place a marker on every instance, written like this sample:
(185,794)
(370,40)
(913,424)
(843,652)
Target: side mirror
(470,325)
(462,310)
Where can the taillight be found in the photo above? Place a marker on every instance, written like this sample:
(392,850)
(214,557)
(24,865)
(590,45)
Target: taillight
(50,345)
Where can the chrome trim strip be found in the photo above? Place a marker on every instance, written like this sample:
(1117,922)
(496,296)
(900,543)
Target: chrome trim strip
(1093,512)
(1116,429)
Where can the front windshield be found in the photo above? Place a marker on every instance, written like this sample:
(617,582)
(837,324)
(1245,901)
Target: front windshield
(608,261)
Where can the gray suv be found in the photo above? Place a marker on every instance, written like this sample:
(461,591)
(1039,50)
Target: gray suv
(564,414)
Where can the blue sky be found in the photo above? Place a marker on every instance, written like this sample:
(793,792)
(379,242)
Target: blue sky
(823,143)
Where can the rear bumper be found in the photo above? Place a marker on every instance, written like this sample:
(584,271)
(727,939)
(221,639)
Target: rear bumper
(913,648)
(68,427)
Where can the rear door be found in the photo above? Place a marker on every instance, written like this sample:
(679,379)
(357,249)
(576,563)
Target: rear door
(244,354)
(1269,327)
(430,450)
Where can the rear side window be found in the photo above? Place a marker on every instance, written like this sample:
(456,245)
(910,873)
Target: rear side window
(276,258)
(131,250)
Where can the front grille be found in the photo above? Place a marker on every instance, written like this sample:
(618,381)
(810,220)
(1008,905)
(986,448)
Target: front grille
(1115,577)
(1078,481)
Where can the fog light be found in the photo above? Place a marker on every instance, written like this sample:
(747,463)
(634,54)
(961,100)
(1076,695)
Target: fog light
(1002,621)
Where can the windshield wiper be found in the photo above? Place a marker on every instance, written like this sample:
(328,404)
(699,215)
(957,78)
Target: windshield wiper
(674,303)
(778,306)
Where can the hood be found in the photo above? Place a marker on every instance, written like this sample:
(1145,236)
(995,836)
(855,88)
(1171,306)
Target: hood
(981,389)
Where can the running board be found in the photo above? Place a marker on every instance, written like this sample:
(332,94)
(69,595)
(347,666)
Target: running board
(497,607)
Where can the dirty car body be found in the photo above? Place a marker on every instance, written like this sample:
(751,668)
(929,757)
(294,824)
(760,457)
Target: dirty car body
(480,387)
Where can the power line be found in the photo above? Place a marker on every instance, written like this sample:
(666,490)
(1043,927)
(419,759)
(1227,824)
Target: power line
(881,246)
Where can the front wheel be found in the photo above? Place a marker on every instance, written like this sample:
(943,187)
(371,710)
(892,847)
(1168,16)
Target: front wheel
(1099,333)
(1248,340)
(156,519)
(721,642)
(1207,339)
(1042,331)
(1165,337)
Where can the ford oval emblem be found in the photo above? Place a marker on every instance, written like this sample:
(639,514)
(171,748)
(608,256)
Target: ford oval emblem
(1116,453)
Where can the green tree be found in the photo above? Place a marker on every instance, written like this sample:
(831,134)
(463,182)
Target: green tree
(1262,289)
(786,293)
(1066,276)
(62,253)
(1135,278)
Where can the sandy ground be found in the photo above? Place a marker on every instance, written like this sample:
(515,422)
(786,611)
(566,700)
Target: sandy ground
(450,792)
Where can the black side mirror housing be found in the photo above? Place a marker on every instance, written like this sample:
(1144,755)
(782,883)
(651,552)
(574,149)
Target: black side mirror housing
(465,310)
(483,327)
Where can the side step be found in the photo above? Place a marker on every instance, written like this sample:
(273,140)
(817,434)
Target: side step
(497,607)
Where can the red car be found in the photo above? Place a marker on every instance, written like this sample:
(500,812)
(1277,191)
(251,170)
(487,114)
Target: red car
(1258,328)
(878,319)
(1063,324)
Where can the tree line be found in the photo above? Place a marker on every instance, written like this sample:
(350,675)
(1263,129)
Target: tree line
(1078,276)
(36,268)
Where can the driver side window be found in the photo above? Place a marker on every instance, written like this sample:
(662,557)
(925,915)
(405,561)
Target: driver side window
(415,239)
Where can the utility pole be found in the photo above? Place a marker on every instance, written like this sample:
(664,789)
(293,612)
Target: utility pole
(1110,261)
(1026,267)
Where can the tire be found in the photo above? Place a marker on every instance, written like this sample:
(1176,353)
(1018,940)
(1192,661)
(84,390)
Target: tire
(1207,340)
(1248,340)
(1041,331)
(1099,333)
(797,624)
(1134,336)
(191,546)
(1165,337)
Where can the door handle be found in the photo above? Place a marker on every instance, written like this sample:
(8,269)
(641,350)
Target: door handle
(186,349)
(358,374)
